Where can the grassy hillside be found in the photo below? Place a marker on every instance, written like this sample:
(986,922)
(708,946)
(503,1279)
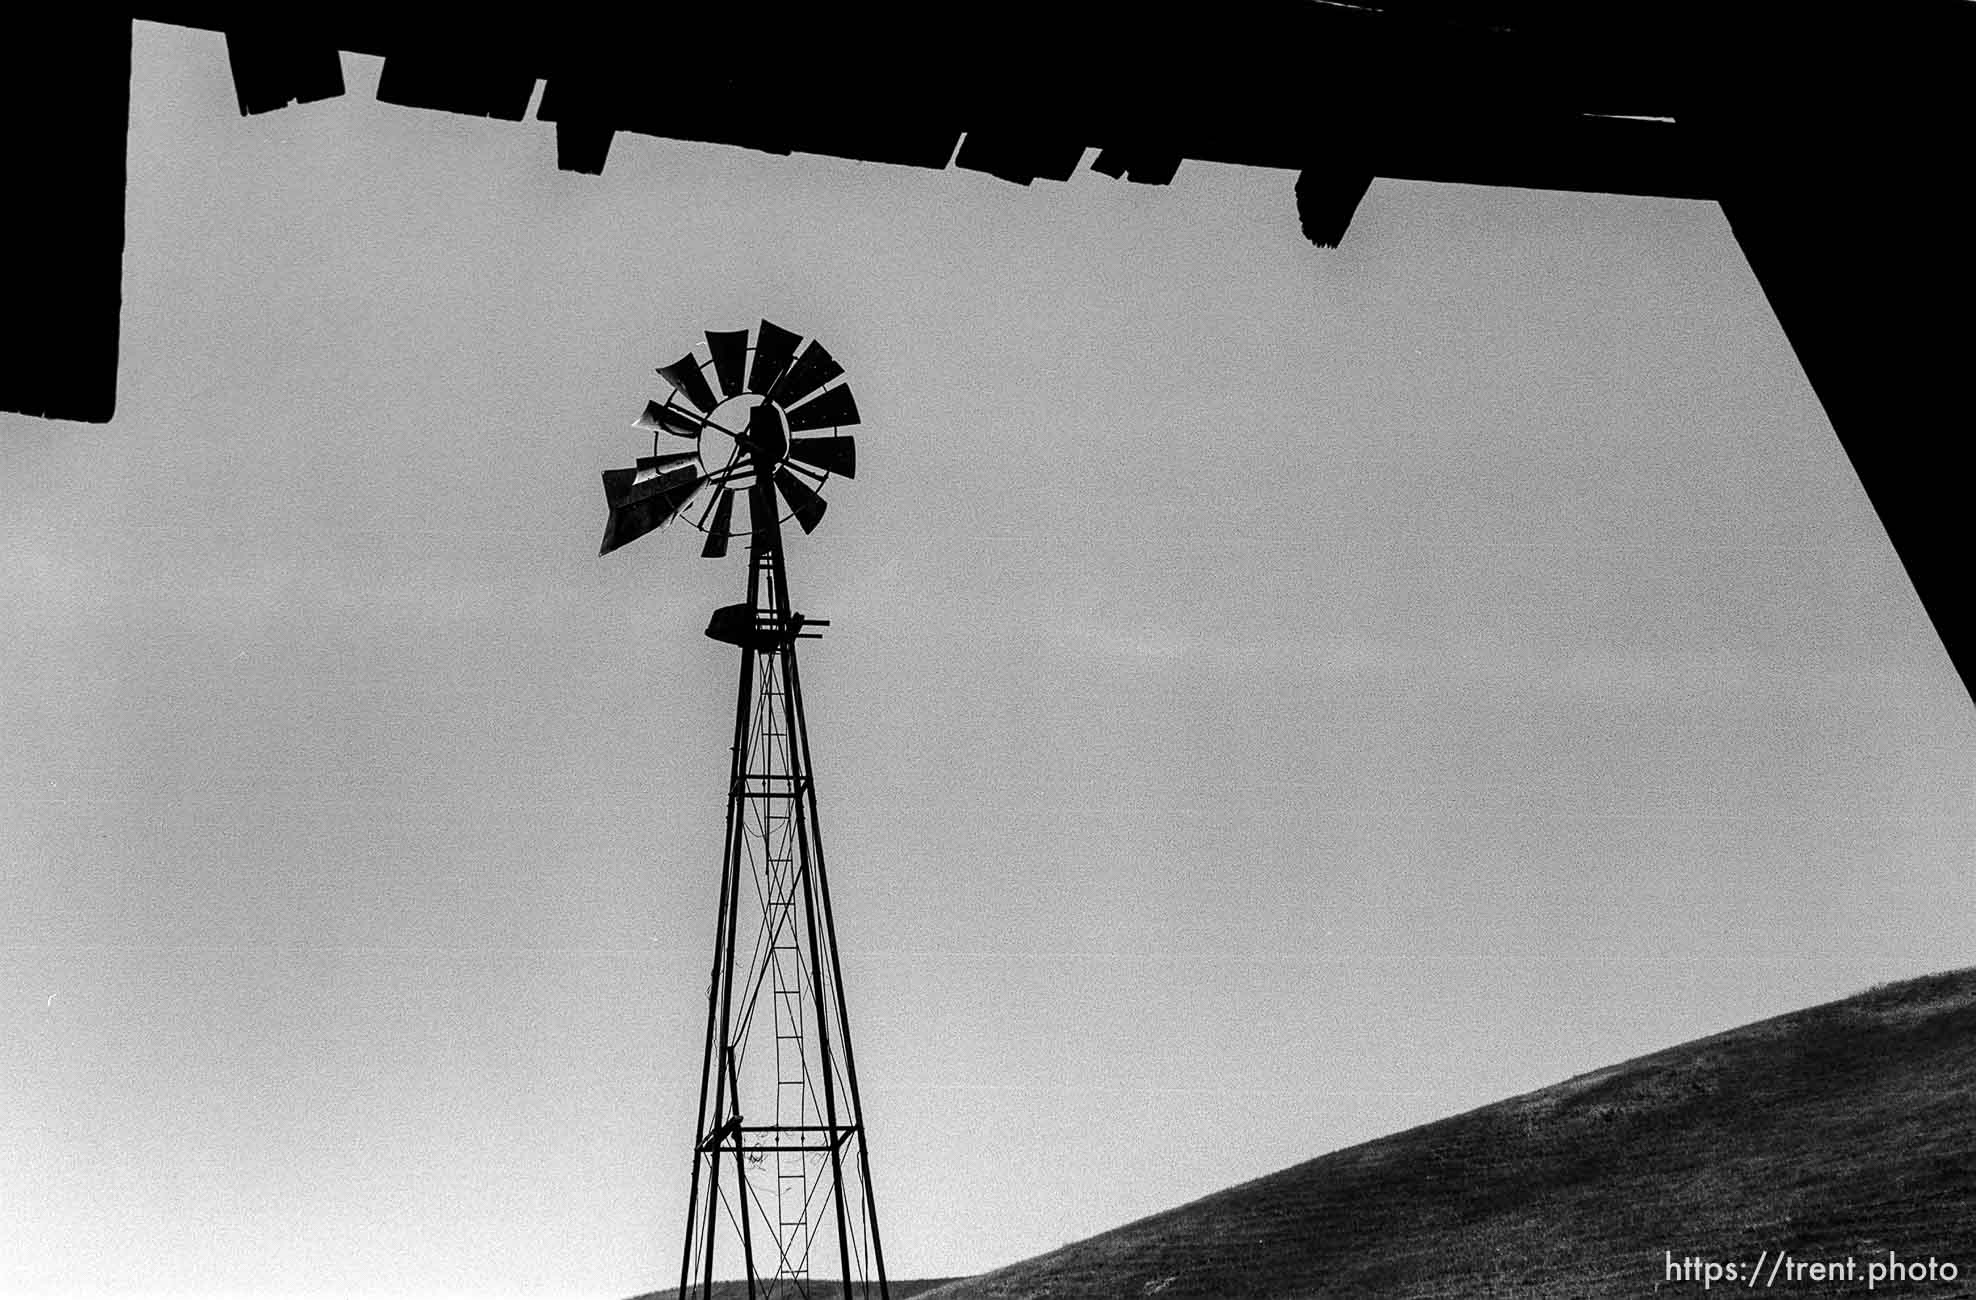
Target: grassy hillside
(1848,1130)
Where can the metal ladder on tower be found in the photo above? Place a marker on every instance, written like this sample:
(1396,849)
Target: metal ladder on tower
(792,1174)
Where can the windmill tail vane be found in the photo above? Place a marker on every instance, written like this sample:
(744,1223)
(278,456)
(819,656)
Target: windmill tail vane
(780,1193)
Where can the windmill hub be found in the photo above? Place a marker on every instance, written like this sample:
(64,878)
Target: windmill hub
(751,424)
(744,435)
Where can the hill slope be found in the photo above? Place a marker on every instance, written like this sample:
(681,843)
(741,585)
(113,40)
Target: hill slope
(1845,1130)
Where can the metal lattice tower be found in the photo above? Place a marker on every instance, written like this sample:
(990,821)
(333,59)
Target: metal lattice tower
(781,1191)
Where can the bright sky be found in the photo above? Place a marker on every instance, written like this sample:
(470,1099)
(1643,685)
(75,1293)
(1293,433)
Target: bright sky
(1273,697)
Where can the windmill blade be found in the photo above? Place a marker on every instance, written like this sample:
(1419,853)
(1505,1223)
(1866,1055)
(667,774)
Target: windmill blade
(717,527)
(670,458)
(670,418)
(617,486)
(774,346)
(809,507)
(623,487)
(679,484)
(730,349)
(812,371)
(834,408)
(684,374)
(837,455)
(628,524)
(647,506)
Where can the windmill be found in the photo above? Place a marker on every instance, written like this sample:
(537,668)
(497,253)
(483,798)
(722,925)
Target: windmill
(781,1190)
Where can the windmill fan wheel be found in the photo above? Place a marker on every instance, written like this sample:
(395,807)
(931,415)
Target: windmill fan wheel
(765,423)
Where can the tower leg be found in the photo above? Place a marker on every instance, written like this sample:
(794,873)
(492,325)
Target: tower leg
(781,1186)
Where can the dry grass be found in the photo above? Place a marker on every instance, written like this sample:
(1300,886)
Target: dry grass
(1846,1129)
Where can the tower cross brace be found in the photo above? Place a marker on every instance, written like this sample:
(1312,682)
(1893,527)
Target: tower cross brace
(781,1192)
